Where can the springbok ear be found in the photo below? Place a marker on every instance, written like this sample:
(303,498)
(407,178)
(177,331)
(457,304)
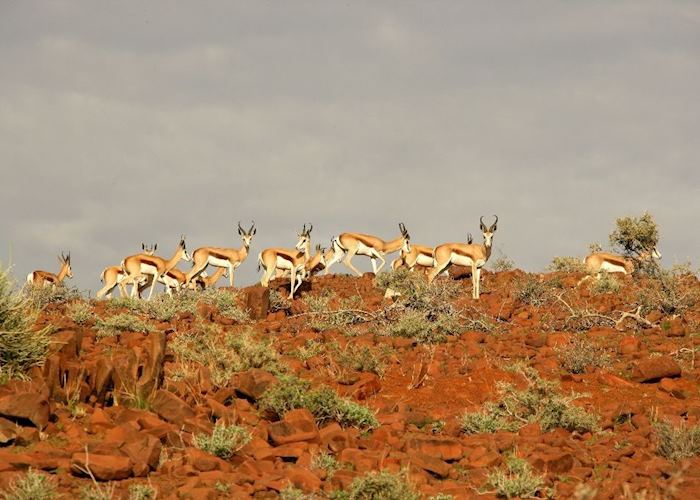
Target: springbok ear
(155,247)
(255,230)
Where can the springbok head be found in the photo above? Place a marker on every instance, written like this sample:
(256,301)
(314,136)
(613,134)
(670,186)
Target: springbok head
(65,264)
(149,250)
(182,249)
(304,237)
(247,236)
(406,247)
(488,231)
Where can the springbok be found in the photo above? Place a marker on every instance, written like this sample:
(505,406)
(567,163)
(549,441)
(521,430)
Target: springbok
(294,261)
(151,266)
(351,244)
(113,276)
(599,262)
(469,255)
(314,265)
(228,258)
(45,278)
(420,256)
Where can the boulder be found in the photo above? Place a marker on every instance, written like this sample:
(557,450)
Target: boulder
(171,408)
(654,369)
(103,467)
(297,425)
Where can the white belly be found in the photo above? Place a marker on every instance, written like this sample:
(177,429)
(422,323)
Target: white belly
(461,260)
(168,281)
(284,264)
(425,260)
(149,269)
(363,249)
(216,262)
(612,268)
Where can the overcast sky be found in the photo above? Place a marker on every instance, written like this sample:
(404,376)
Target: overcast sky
(123,122)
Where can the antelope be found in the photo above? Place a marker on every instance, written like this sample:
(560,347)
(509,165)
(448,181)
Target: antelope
(228,258)
(470,255)
(598,262)
(351,244)
(152,267)
(45,278)
(419,256)
(294,261)
(205,281)
(314,265)
(114,275)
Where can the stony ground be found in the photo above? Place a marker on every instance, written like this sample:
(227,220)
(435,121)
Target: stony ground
(126,407)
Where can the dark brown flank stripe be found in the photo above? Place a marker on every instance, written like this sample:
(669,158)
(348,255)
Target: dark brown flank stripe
(460,251)
(363,240)
(217,255)
(615,261)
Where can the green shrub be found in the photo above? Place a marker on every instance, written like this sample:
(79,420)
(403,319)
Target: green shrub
(676,443)
(361,359)
(226,302)
(31,486)
(378,486)
(279,302)
(142,492)
(165,307)
(633,236)
(415,291)
(41,296)
(21,348)
(292,493)
(671,291)
(605,283)
(310,349)
(98,492)
(502,263)
(322,317)
(80,312)
(226,354)
(515,480)
(326,462)
(580,354)
(224,442)
(324,403)
(129,303)
(567,265)
(123,322)
(532,290)
(538,402)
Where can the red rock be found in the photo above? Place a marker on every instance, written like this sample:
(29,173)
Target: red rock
(145,450)
(554,462)
(444,448)
(297,425)
(654,369)
(103,467)
(253,383)
(171,408)
(303,479)
(334,437)
(368,385)
(629,344)
(257,301)
(30,406)
(611,380)
(361,460)
(558,339)
(438,467)
(203,461)
(674,328)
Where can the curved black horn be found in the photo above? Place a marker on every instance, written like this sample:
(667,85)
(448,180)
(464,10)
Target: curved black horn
(470,239)
(240,228)
(311,226)
(493,226)
(252,226)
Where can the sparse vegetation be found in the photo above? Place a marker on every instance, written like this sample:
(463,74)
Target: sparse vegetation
(418,325)
(671,291)
(323,402)
(382,485)
(21,347)
(41,296)
(633,236)
(31,486)
(567,265)
(326,462)
(677,442)
(322,317)
(129,303)
(123,322)
(226,354)
(532,290)
(361,358)
(279,302)
(580,354)
(501,263)
(142,492)
(516,479)
(226,301)
(224,441)
(605,283)
(538,402)
(98,492)
(165,307)
(80,312)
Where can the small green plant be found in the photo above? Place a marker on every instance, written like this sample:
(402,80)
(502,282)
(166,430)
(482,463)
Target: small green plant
(567,265)
(226,354)
(517,479)
(98,491)
(166,307)
(326,462)
(225,440)
(31,486)
(292,493)
(310,349)
(361,359)
(416,293)
(633,236)
(532,290)
(279,302)
(80,312)
(382,485)
(425,328)
(142,492)
(324,403)
(222,487)
(676,443)
(580,354)
(605,283)
(123,322)
(538,402)
(323,317)
(131,304)
(502,263)
(226,301)
(41,296)
(671,291)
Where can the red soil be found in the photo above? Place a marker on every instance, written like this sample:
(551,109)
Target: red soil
(652,375)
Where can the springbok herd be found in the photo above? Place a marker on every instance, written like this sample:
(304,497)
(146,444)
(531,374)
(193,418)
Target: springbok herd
(145,269)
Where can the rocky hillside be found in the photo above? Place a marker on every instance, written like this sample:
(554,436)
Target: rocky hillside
(541,388)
